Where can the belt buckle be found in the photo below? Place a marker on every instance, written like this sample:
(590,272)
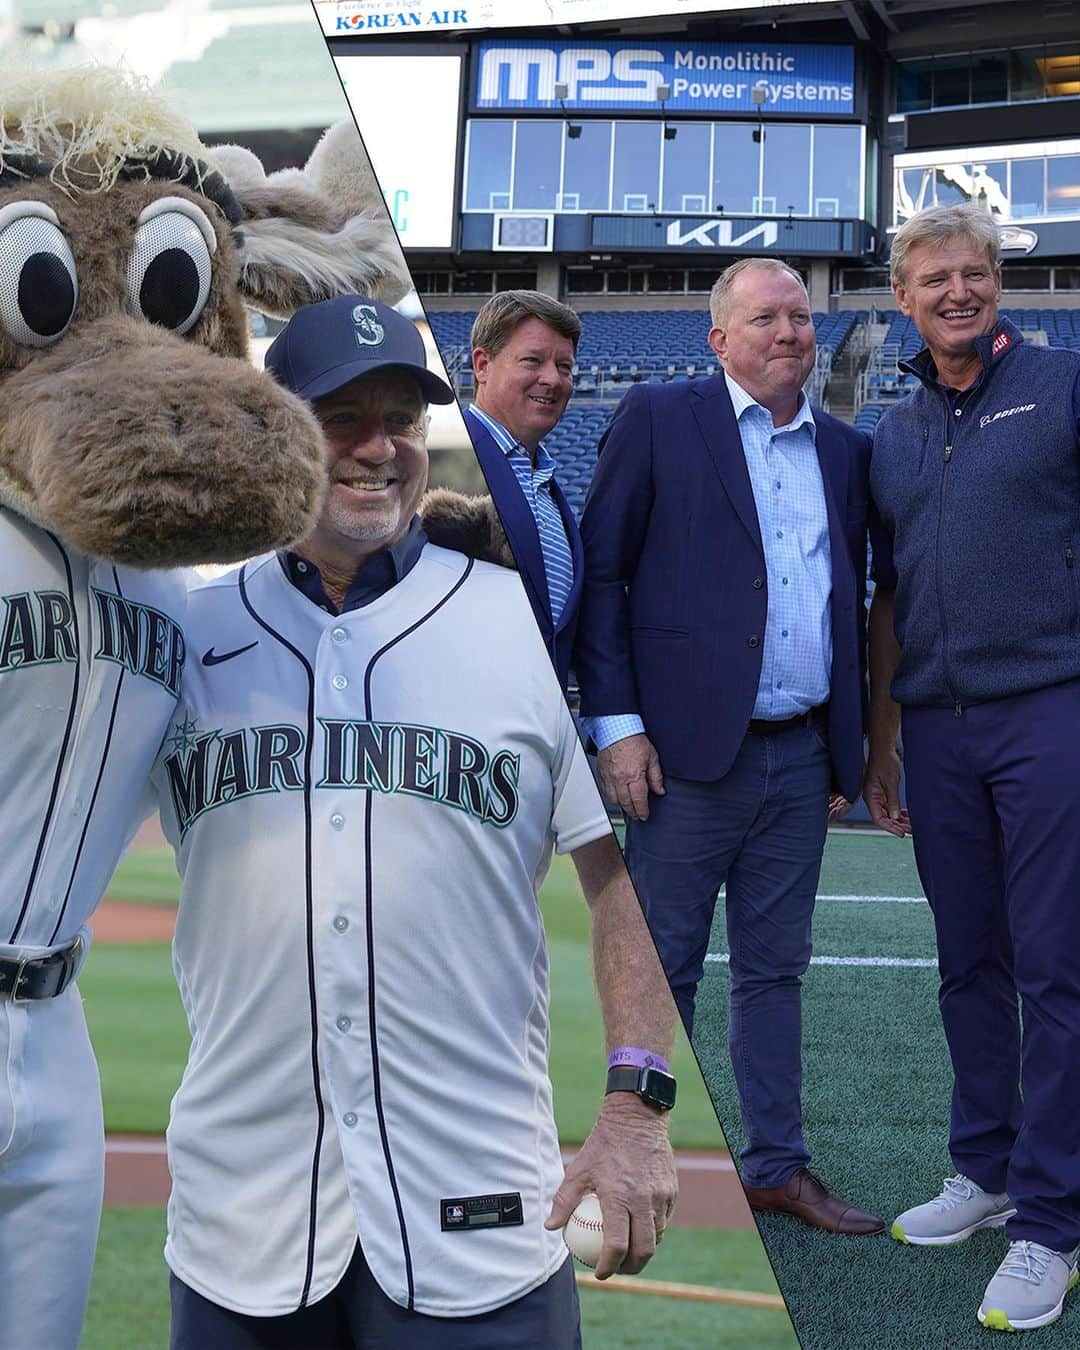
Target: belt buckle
(14,995)
(71,957)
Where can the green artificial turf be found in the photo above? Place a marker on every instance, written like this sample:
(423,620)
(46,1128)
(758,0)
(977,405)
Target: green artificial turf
(146,876)
(875,1111)
(129,1300)
(138,1030)
(129,1293)
(140,1035)
(702,1256)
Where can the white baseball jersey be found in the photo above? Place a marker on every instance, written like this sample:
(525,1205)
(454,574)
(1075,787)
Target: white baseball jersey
(90,658)
(363,807)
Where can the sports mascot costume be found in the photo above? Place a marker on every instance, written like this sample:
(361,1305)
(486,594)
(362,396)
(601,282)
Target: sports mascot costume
(134,437)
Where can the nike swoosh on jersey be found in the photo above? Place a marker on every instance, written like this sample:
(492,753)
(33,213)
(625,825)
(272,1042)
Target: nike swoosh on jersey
(211,658)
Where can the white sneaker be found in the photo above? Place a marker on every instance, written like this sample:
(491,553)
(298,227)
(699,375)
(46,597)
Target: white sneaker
(961,1209)
(1029,1288)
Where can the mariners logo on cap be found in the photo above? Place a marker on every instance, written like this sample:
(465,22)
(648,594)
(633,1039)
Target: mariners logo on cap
(369,332)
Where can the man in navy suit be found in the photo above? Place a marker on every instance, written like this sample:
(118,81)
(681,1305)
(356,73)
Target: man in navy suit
(721,660)
(523,359)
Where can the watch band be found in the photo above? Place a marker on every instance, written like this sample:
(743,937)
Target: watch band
(652,1085)
(635,1056)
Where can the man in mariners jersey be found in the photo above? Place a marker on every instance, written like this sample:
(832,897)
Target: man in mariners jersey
(370,765)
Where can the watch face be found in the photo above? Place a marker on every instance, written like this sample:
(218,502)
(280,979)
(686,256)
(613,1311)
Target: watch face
(658,1087)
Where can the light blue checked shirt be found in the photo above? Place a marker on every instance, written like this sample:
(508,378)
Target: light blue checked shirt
(790,499)
(535,483)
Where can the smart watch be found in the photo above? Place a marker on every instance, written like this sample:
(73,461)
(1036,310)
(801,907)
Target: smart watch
(651,1084)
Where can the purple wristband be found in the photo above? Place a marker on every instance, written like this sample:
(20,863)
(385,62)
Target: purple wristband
(632,1056)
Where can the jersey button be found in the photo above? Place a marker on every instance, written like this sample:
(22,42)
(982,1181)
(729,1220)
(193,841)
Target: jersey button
(337,820)
(344,1023)
(338,634)
(340,682)
(752,641)
(341,923)
(349,1119)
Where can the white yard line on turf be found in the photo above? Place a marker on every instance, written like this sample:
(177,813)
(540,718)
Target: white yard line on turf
(877,899)
(872,899)
(914,962)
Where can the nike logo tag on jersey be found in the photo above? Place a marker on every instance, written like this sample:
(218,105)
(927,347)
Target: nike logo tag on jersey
(211,658)
(481,1211)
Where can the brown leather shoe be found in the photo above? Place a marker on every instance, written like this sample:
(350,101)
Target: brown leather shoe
(804,1196)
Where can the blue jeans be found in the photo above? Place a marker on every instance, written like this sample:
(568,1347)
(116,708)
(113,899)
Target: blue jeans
(759,830)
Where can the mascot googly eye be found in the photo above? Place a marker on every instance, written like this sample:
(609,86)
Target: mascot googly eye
(131,423)
(38,284)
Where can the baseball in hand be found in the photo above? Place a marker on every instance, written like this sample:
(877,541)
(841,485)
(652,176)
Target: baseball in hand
(584,1231)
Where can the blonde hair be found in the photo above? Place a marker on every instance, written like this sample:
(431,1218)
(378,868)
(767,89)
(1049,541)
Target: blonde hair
(937,224)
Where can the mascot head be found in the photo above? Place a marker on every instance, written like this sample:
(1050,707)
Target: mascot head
(131,423)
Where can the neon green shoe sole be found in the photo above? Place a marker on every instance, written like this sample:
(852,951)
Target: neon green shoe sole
(998,1320)
(995,1319)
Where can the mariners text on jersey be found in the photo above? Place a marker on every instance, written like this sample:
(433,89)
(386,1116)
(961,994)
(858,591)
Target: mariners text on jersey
(211,768)
(39,627)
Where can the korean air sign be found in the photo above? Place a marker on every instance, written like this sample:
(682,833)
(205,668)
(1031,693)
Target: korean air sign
(703,77)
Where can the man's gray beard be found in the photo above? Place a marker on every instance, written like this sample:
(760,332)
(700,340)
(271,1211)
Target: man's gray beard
(349,524)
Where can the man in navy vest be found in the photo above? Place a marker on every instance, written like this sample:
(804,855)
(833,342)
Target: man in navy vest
(720,656)
(523,360)
(977,627)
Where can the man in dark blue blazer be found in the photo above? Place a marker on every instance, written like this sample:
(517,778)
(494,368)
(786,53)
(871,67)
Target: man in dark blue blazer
(523,359)
(721,661)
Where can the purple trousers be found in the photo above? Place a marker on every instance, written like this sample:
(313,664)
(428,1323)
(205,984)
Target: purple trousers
(994,798)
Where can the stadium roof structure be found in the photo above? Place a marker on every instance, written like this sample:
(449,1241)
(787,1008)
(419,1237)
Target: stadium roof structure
(889,25)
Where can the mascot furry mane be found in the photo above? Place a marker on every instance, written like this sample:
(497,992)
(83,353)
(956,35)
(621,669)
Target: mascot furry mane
(131,423)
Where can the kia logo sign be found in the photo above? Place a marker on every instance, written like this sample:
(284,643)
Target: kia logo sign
(720,234)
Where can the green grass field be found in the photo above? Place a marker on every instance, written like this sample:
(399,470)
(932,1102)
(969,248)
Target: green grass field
(875,1106)
(129,1275)
(140,1037)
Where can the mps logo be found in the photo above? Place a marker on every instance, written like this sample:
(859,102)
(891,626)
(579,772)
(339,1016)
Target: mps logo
(510,75)
(368,331)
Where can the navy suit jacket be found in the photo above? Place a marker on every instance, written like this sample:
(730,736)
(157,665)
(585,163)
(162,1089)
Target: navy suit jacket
(672,622)
(524,539)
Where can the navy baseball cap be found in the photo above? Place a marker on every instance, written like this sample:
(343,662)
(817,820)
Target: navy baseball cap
(326,345)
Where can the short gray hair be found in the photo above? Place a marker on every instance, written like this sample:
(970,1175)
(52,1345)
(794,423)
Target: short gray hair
(936,225)
(498,317)
(720,295)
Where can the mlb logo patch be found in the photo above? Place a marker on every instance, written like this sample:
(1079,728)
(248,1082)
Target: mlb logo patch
(999,344)
(368,331)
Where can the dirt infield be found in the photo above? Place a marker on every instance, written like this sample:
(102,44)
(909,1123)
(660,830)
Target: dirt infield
(709,1192)
(125,921)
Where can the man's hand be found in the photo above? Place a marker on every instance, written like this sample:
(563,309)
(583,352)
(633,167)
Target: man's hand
(629,770)
(627,1161)
(881,789)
